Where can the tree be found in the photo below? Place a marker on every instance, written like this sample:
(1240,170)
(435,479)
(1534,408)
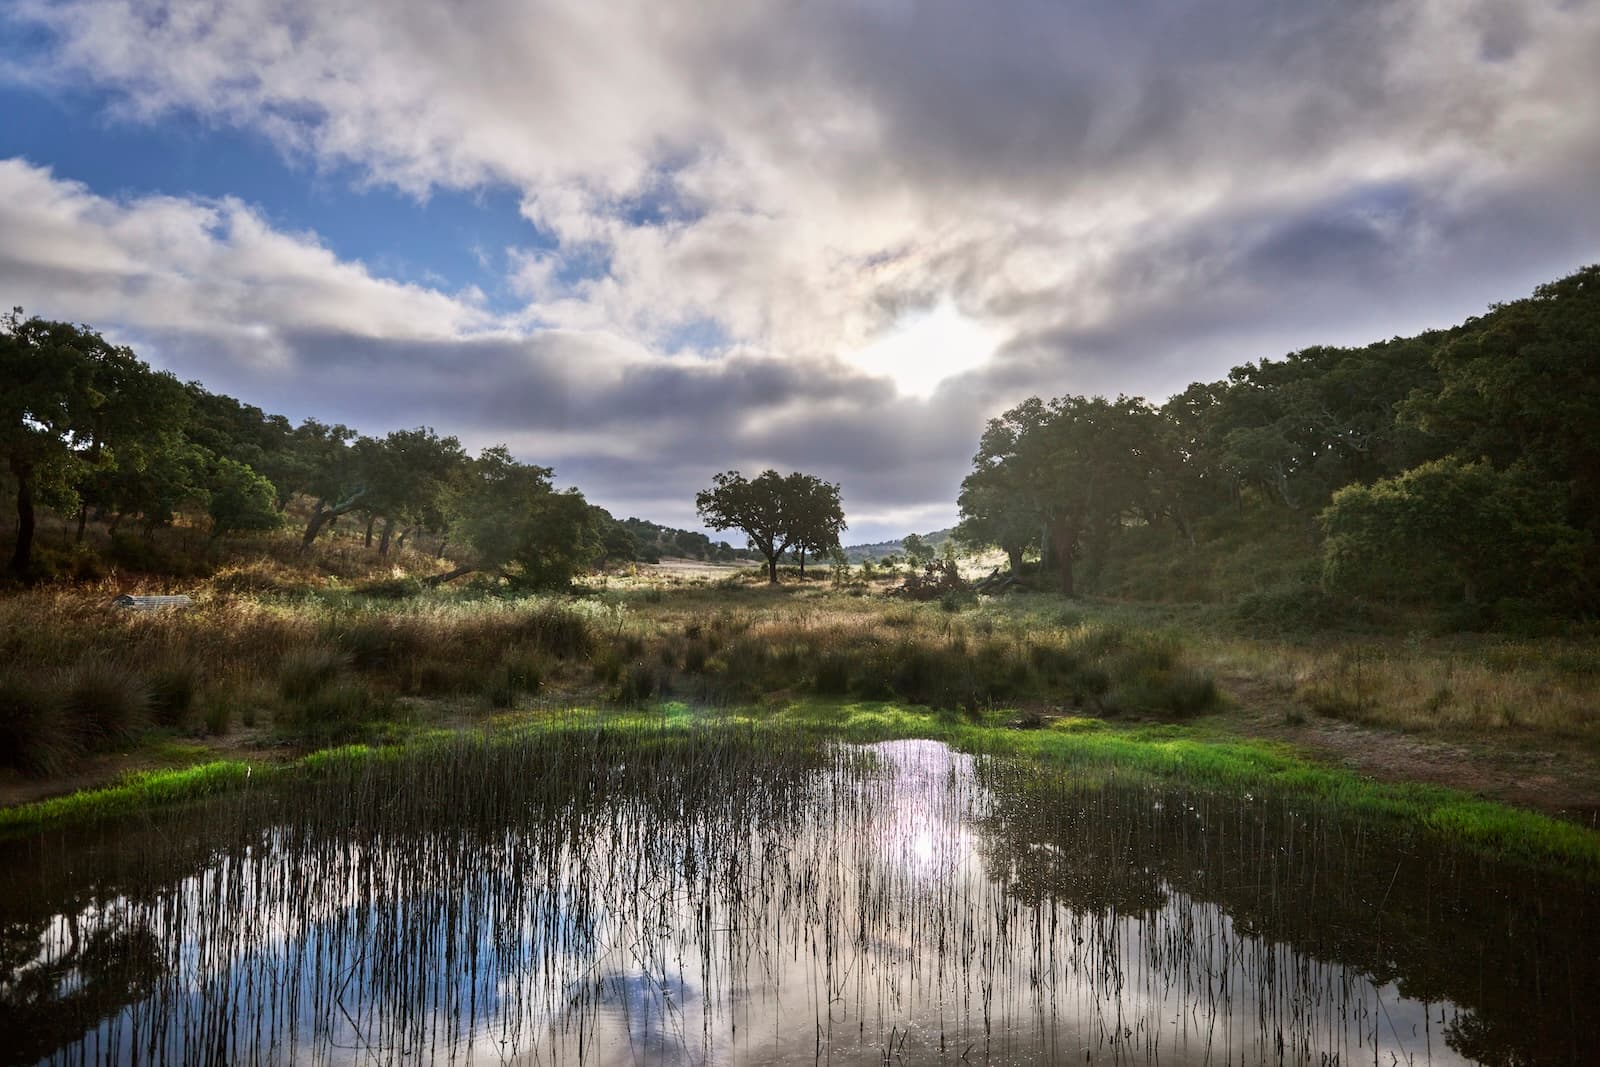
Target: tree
(522,528)
(774,512)
(997,501)
(62,406)
(1072,467)
(239,499)
(1489,533)
(916,549)
(410,477)
(816,515)
(1521,386)
(326,468)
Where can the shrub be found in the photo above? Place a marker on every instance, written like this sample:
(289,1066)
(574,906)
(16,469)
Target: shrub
(173,687)
(307,671)
(36,737)
(639,683)
(520,671)
(607,667)
(1180,692)
(559,630)
(106,702)
(935,582)
(383,642)
(1297,608)
(833,675)
(337,713)
(218,714)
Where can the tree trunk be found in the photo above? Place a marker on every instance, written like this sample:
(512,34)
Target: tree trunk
(440,579)
(772,568)
(1014,559)
(407,532)
(442,545)
(319,518)
(22,555)
(1063,539)
(83,520)
(383,539)
(802,563)
(368,542)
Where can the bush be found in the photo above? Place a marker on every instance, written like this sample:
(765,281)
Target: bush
(107,703)
(639,683)
(935,582)
(173,687)
(305,672)
(337,713)
(218,714)
(520,671)
(833,675)
(1297,608)
(383,642)
(36,737)
(559,630)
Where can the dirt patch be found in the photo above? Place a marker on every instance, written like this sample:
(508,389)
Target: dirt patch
(97,772)
(1512,767)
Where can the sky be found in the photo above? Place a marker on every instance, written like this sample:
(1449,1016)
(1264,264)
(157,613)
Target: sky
(643,242)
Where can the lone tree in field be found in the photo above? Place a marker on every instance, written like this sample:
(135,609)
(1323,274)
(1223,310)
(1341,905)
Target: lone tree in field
(776,513)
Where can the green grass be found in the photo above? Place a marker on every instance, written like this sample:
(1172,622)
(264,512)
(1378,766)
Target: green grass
(134,793)
(1083,747)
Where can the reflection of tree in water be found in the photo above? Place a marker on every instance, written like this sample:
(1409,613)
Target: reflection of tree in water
(1073,855)
(1515,950)
(99,965)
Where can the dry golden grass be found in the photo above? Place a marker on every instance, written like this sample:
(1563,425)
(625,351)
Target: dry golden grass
(1550,687)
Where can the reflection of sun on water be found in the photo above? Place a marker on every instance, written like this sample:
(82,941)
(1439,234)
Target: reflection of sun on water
(925,347)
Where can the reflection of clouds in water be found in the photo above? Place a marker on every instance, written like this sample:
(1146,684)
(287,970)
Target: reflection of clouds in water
(922,903)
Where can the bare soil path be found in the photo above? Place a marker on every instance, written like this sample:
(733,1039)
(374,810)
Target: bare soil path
(1521,768)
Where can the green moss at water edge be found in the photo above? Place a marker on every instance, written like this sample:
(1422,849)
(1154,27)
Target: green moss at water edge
(1182,755)
(1165,754)
(133,793)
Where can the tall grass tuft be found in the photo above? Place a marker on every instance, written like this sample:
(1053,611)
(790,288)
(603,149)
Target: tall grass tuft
(336,713)
(106,702)
(173,688)
(36,737)
(305,672)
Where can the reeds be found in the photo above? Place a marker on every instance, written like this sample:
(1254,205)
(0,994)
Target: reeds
(588,893)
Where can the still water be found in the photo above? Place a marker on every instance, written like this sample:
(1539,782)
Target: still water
(638,899)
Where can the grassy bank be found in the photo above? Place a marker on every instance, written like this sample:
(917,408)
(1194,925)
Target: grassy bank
(1084,749)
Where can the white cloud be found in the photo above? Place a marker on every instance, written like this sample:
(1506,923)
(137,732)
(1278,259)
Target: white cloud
(1125,197)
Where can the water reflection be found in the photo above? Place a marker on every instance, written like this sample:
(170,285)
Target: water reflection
(718,899)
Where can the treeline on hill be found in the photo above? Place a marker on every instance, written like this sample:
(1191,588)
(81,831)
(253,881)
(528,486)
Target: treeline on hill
(90,431)
(1459,467)
(653,543)
(882,550)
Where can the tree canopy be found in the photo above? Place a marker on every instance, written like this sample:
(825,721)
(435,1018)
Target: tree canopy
(1468,454)
(776,512)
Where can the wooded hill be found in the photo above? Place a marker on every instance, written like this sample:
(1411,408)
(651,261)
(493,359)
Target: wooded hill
(1458,466)
(882,549)
(91,432)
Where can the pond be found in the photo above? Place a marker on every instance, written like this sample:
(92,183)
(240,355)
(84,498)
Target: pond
(736,896)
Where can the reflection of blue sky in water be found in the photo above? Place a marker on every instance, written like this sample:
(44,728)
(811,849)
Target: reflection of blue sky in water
(867,918)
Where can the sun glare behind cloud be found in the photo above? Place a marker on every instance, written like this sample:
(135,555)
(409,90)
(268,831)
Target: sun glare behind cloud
(925,347)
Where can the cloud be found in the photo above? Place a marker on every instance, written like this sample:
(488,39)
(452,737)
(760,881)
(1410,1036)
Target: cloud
(1128,196)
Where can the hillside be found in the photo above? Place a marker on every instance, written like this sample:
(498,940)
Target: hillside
(879,549)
